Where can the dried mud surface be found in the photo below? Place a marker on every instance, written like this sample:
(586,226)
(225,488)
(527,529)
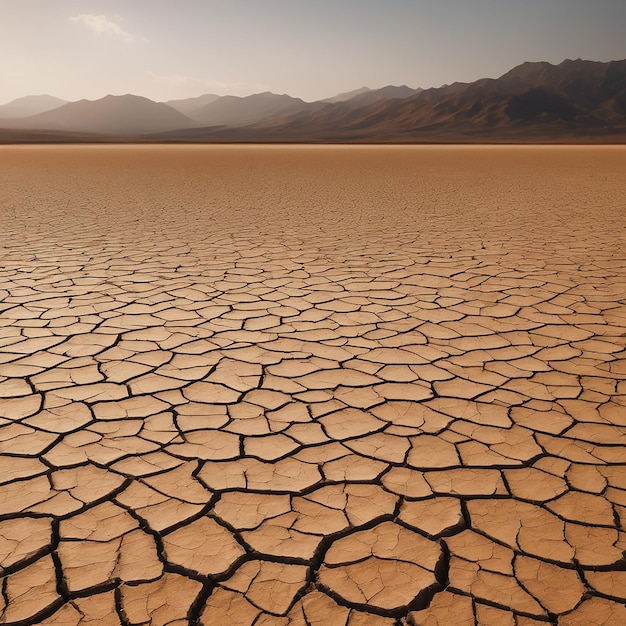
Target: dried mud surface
(312,385)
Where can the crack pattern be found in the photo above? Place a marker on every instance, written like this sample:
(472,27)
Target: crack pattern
(312,385)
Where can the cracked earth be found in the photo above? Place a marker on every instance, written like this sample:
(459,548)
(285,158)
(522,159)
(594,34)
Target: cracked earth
(312,385)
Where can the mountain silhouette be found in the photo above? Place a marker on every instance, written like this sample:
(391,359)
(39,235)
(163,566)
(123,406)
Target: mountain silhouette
(188,106)
(239,111)
(389,92)
(575,100)
(347,95)
(30,105)
(111,114)
(532,102)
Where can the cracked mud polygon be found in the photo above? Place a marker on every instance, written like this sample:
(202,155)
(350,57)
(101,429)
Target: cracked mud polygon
(309,385)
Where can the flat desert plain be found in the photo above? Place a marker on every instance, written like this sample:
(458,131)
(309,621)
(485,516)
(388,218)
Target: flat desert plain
(312,385)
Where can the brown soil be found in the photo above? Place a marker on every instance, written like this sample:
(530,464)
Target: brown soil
(312,385)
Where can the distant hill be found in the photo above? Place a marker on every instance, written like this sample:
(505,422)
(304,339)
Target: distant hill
(574,101)
(384,93)
(365,95)
(187,106)
(30,105)
(240,111)
(111,114)
(346,95)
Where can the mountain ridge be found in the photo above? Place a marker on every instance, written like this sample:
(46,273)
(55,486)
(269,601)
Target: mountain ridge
(111,114)
(239,111)
(573,100)
(187,106)
(30,105)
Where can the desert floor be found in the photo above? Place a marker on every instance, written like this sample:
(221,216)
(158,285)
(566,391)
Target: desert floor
(312,385)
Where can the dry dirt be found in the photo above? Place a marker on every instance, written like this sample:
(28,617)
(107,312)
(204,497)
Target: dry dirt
(312,385)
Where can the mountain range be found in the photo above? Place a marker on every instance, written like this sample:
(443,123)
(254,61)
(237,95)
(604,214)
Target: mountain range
(573,101)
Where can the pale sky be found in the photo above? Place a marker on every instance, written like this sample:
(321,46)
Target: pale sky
(312,49)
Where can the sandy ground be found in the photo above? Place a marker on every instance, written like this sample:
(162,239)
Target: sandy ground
(312,385)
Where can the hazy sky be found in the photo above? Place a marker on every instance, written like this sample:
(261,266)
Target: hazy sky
(312,49)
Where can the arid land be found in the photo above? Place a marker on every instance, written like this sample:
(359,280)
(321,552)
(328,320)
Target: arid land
(312,385)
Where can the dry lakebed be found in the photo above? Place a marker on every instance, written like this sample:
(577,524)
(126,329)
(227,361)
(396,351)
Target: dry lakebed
(312,385)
